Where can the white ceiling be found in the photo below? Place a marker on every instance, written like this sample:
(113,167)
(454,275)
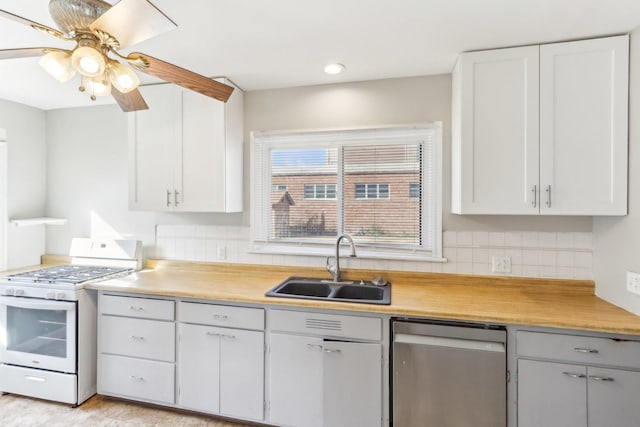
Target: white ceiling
(263,44)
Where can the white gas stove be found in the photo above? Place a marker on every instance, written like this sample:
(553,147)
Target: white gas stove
(48,321)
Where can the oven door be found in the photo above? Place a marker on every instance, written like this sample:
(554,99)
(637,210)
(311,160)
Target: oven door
(38,333)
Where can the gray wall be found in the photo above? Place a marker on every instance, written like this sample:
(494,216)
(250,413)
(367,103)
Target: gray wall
(26,155)
(386,102)
(616,240)
(87,155)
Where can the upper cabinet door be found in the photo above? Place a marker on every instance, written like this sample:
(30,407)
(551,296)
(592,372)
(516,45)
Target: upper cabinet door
(495,132)
(152,149)
(583,127)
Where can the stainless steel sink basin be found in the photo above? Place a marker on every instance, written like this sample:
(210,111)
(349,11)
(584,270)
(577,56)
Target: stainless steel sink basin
(320,289)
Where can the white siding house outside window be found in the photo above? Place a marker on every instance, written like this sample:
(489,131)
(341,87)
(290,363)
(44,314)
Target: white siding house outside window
(310,187)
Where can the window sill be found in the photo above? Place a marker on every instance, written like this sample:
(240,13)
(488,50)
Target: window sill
(364,253)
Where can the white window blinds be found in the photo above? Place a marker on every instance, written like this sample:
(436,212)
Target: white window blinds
(379,185)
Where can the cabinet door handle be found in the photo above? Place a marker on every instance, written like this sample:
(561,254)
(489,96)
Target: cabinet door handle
(599,378)
(572,375)
(137,338)
(134,308)
(586,350)
(332,350)
(168,198)
(220,316)
(548,191)
(175,197)
(213,334)
(534,196)
(228,337)
(135,378)
(314,347)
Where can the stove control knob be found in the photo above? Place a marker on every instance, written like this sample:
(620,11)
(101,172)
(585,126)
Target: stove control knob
(50,295)
(60,295)
(9,291)
(19,292)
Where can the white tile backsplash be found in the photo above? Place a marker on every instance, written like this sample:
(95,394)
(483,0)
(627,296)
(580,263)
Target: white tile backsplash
(533,254)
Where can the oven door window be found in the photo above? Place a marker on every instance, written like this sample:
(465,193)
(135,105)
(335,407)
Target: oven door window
(38,333)
(42,332)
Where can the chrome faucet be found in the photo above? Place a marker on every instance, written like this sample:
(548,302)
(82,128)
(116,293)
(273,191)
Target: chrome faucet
(335,269)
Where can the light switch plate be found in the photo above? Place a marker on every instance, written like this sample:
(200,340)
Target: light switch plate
(633,282)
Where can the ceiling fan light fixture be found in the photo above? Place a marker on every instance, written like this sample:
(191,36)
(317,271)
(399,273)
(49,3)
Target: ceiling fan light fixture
(96,86)
(88,61)
(122,77)
(58,64)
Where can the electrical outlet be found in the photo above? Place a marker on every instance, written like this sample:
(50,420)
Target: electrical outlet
(633,282)
(501,264)
(222,253)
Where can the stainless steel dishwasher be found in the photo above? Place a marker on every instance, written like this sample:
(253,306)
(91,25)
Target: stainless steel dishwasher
(448,375)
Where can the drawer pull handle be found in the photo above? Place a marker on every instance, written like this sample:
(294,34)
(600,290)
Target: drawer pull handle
(314,347)
(572,375)
(586,350)
(134,378)
(137,338)
(213,334)
(220,316)
(599,378)
(34,378)
(332,350)
(131,307)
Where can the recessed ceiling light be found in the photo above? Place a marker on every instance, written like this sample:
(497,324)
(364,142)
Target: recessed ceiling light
(334,68)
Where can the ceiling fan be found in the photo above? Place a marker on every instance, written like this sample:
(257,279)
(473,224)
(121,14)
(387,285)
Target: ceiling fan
(99,30)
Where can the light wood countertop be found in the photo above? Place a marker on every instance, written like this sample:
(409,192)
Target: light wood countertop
(507,300)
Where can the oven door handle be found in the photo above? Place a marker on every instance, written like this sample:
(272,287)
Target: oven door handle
(37,304)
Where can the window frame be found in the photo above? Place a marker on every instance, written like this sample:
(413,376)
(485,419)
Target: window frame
(368,185)
(315,191)
(430,135)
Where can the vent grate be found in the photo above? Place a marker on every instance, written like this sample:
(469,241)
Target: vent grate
(324,324)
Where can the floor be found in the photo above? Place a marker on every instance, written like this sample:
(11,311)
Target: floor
(20,411)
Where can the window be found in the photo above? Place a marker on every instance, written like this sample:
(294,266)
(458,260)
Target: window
(341,182)
(372,191)
(414,190)
(319,191)
(278,187)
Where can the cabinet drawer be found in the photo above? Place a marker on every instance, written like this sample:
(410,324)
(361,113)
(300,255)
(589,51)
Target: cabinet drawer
(575,348)
(135,378)
(41,384)
(366,328)
(137,307)
(222,315)
(150,339)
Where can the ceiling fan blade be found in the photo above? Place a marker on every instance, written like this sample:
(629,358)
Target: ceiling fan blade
(26,52)
(132,21)
(180,76)
(130,101)
(34,25)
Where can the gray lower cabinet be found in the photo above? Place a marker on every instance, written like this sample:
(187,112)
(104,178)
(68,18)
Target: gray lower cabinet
(220,366)
(324,371)
(136,348)
(577,381)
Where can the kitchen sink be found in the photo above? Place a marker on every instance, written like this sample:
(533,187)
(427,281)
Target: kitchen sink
(365,292)
(303,288)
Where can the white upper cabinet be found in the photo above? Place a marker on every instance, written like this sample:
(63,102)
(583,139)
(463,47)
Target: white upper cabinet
(186,152)
(495,131)
(583,127)
(541,129)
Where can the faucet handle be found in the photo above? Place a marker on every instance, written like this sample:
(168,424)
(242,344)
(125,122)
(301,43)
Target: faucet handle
(331,268)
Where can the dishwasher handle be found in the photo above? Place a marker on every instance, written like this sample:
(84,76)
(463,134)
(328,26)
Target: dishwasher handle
(464,344)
